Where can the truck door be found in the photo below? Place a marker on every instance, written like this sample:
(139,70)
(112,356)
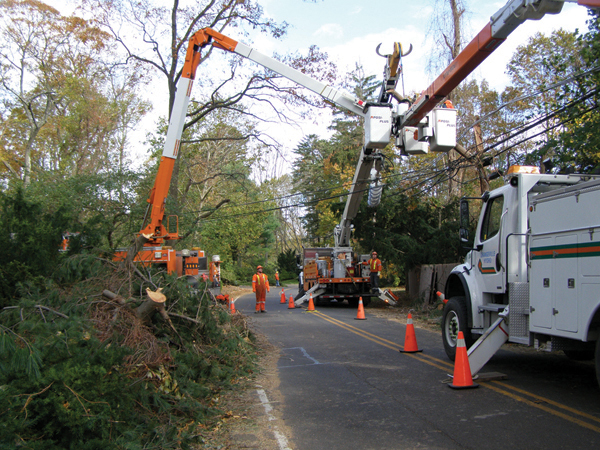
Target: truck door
(491,259)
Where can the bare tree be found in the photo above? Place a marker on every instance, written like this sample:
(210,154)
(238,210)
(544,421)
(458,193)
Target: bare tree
(447,31)
(157,37)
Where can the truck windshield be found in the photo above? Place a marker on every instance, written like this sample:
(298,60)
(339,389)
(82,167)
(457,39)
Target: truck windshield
(491,220)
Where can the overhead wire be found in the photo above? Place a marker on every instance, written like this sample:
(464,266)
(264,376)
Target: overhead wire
(434,175)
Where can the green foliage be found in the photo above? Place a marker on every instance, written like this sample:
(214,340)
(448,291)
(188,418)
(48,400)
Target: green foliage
(406,232)
(577,146)
(287,265)
(31,238)
(82,374)
(98,206)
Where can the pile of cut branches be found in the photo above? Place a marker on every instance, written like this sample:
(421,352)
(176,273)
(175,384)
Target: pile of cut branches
(86,367)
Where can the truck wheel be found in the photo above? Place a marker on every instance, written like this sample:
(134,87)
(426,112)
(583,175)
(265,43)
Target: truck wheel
(579,355)
(453,321)
(597,361)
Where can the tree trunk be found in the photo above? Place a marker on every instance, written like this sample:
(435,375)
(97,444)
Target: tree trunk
(138,244)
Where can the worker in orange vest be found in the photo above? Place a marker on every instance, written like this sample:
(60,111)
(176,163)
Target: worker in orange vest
(260,286)
(277,278)
(375,265)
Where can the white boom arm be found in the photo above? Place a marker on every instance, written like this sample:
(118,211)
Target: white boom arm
(378,117)
(326,91)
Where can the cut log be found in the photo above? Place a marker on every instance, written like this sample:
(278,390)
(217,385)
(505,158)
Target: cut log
(114,297)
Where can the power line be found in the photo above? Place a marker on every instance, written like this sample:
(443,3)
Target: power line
(437,176)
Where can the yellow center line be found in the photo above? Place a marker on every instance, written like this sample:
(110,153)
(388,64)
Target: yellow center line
(551,402)
(444,365)
(497,386)
(554,412)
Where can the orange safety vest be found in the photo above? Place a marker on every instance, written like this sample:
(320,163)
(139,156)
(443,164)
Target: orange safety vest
(260,283)
(374,265)
(277,276)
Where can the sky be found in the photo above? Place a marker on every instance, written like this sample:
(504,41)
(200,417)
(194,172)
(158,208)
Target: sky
(350,30)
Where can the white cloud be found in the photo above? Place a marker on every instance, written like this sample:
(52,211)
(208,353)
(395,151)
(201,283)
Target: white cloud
(334,30)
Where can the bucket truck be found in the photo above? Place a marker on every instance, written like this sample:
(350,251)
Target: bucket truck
(334,281)
(533,274)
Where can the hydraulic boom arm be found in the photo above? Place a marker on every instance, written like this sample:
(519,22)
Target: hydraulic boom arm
(501,24)
(155,231)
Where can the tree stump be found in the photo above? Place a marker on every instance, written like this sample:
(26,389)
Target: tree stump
(155,303)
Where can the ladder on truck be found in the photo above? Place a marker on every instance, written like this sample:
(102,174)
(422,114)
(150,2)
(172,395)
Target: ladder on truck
(313,290)
(488,344)
(387,295)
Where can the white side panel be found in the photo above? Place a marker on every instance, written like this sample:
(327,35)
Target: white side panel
(565,252)
(541,285)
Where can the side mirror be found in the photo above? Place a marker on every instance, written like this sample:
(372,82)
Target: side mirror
(464,235)
(464,213)
(464,221)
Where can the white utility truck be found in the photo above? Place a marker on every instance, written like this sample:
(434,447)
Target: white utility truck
(533,274)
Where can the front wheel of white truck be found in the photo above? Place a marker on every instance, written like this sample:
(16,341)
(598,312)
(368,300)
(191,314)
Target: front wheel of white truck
(453,321)
(597,361)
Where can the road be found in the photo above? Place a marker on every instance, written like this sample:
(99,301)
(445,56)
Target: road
(344,384)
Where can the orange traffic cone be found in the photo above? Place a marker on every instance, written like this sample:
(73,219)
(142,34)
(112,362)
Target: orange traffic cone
(311,304)
(442,297)
(282,296)
(291,304)
(410,339)
(231,307)
(462,378)
(361,311)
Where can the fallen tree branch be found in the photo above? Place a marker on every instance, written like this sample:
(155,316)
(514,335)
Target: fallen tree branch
(189,319)
(114,297)
(45,308)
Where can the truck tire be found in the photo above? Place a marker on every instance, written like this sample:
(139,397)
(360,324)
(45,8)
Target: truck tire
(579,355)
(597,361)
(453,321)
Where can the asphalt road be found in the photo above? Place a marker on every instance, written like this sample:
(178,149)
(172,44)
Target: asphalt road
(345,385)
